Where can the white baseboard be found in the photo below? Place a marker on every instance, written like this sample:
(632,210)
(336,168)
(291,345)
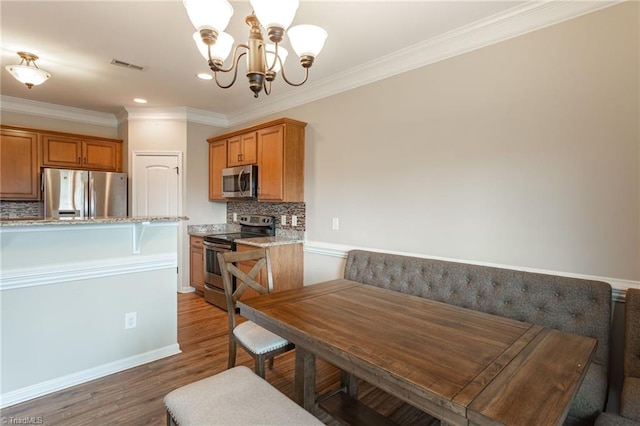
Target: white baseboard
(59,383)
(619,286)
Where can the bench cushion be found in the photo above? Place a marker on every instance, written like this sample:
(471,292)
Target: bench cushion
(235,396)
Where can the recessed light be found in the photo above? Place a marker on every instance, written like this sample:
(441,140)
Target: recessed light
(205,76)
(140,101)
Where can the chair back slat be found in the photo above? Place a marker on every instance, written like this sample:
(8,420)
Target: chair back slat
(244,280)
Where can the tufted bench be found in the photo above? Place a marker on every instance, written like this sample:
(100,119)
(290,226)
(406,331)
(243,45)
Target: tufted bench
(234,397)
(569,304)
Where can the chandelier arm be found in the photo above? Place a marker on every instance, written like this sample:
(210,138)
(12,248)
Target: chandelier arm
(235,74)
(276,58)
(284,77)
(267,90)
(234,61)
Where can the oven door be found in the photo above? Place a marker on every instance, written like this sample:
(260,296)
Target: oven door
(213,285)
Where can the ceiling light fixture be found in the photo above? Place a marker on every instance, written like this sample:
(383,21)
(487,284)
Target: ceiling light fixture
(29,74)
(264,61)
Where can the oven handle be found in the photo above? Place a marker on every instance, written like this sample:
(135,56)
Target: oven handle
(224,247)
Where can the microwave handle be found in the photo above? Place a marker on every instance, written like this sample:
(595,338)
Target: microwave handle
(240,182)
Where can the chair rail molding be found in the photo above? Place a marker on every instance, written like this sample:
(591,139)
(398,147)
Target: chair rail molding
(618,286)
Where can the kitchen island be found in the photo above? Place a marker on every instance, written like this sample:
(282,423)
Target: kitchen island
(84,298)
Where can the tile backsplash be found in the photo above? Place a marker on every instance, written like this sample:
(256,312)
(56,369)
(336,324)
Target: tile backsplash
(272,209)
(21,209)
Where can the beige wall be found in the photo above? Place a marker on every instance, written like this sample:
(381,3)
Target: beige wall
(525,153)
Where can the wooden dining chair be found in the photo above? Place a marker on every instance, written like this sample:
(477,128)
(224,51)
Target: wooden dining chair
(247,267)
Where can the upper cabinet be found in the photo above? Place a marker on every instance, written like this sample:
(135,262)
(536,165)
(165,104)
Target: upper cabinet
(242,150)
(279,154)
(24,151)
(281,163)
(78,152)
(19,166)
(217,162)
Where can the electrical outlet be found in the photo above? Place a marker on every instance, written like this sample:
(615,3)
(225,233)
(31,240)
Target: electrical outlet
(283,220)
(294,220)
(235,217)
(335,223)
(130,320)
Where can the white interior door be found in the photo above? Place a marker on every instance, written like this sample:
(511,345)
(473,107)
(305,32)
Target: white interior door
(156,184)
(156,190)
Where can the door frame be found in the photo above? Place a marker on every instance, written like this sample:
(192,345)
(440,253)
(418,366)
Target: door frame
(182,224)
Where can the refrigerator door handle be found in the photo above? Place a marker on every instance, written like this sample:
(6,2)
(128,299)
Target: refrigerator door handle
(91,199)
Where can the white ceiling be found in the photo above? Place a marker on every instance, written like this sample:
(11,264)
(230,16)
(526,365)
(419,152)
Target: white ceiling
(368,40)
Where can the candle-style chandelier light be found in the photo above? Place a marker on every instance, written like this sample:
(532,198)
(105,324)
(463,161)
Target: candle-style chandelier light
(264,60)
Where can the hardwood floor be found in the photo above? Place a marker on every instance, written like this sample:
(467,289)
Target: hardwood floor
(135,396)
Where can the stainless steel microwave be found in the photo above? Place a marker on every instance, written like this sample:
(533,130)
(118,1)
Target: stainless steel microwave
(240,182)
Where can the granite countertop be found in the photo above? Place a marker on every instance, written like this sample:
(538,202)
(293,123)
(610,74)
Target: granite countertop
(282,236)
(216,228)
(88,221)
(268,241)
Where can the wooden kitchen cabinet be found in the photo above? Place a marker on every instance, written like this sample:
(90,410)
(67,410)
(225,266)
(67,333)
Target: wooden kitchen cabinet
(19,164)
(279,157)
(80,152)
(242,149)
(286,267)
(281,162)
(196,264)
(217,162)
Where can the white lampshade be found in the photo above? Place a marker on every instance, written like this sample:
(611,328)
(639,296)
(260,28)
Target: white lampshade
(271,53)
(29,75)
(214,14)
(279,13)
(307,40)
(220,50)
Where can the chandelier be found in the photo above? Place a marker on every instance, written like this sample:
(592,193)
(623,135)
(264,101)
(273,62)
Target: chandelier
(29,74)
(264,60)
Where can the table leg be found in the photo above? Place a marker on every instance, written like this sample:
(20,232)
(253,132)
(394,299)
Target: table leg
(350,384)
(305,379)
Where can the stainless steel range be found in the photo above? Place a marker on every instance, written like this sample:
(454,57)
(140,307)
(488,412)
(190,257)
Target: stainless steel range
(251,226)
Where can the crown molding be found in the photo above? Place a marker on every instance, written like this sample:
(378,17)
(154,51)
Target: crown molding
(514,22)
(61,112)
(531,16)
(191,115)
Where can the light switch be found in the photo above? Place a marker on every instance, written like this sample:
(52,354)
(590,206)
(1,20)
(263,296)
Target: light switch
(294,220)
(283,220)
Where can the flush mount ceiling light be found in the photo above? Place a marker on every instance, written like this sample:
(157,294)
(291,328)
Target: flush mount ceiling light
(264,61)
(29,74)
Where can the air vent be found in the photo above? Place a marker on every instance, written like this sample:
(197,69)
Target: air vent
(124,64)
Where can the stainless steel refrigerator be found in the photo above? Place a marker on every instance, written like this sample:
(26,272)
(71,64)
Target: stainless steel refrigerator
(84,194)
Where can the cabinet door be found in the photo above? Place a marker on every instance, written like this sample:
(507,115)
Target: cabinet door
(242,149)
(61,151)
(270,163)
(287,267)
(249,148)
(196,264)
(101,155)
(217,162)
(19,165)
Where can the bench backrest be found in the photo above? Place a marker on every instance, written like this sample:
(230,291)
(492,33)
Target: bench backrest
(569,304)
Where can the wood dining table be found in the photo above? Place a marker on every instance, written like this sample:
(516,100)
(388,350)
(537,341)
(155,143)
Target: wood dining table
(456,364)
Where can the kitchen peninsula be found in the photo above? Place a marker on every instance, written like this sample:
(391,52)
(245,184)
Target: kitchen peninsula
(83,298)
